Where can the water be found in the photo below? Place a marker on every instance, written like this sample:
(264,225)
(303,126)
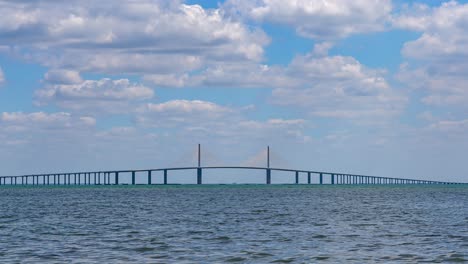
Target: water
(238,223)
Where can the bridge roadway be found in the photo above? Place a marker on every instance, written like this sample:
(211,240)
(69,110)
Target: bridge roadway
(112,177)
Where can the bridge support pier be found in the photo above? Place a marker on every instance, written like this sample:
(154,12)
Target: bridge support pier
(297,177)
(165,176)
(199,175)
(133,178)
(268,176)
(149,177)
(116,178)
(308,177)
(332,178)
(321,178)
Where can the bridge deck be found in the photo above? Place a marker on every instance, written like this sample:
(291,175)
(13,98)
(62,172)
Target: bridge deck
(104,177)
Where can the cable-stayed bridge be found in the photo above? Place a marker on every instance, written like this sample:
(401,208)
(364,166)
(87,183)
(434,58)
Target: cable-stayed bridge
(113,177)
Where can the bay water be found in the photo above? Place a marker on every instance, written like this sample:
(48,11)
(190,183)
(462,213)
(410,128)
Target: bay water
(234,223)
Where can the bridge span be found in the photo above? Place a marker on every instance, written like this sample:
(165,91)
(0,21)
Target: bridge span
(112,177)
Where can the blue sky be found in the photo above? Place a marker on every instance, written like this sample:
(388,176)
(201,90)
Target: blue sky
(371,87)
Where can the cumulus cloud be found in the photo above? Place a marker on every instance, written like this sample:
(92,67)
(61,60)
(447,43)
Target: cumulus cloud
(181,112)
(27,125)
(320,85)
(340,87)
(134,36)
(437,61)
(444,31)
(44,119)
(67,90)
(318,19)
(211,120)
(238,75)
(60,76)
(47,142)
(450,126)
(186,106)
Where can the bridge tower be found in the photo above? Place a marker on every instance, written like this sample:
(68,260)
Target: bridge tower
(199,169)
(268,170)
(268,156)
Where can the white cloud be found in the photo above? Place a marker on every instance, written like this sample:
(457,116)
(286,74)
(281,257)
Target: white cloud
(437,61)
(182,112)
(90,121)
(320,85)
(17,17)
(286,122)
(121,62)
(186,106)
(210,120)
(37,122)
(47,142)
(67,90)
(321,49)
(339,87)
(168,80)
(2,76)
(318,19)
(61,76)
(237,75)
(451,126)
(134,36)
(414,17)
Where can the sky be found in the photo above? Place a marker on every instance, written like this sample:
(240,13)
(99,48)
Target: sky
(374,87)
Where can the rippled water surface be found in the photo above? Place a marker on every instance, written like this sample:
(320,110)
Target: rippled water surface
(238,223)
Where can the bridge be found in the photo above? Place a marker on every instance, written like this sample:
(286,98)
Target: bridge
(113,177)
